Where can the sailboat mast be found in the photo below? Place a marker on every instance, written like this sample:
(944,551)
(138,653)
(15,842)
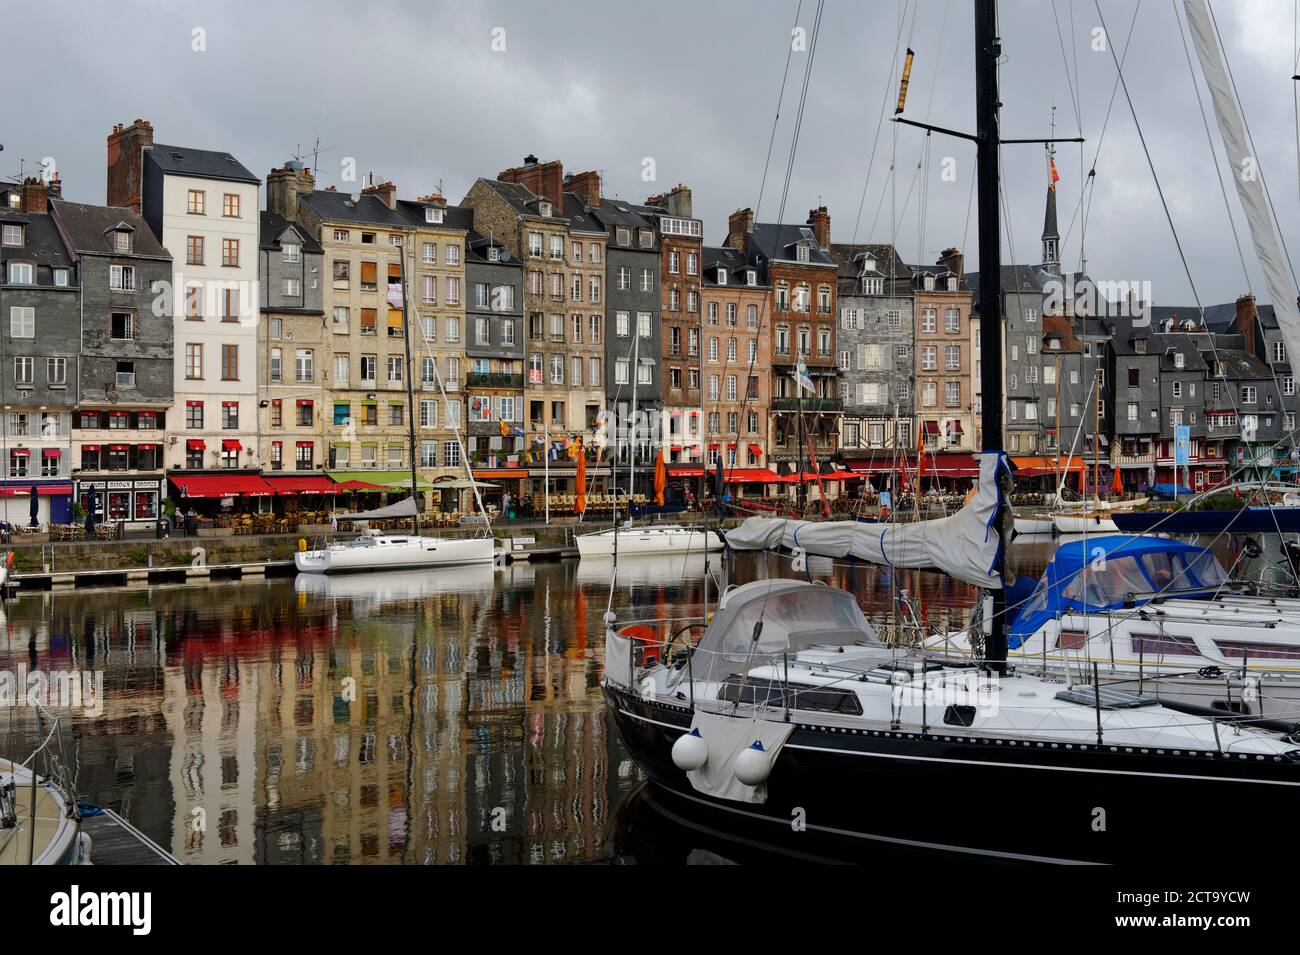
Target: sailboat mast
(408,241)
(987,51)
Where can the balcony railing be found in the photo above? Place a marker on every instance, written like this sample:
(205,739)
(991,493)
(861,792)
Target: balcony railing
(494,379)
(809,404)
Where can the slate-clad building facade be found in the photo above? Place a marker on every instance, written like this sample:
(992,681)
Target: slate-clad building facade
(125,372)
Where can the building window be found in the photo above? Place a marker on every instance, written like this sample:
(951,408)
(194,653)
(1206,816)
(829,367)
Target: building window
(229,362)
(197,202)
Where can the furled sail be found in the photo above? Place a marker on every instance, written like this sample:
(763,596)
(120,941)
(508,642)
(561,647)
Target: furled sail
(1245,172)
(963,545)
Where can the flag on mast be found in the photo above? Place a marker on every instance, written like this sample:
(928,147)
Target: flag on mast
(1056,176)
(801,377)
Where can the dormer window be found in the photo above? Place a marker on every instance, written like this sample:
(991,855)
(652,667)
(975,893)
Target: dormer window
(868,264)
(952,283)
(21,273)
(1140,346)
(722,276)
(61,277)
(1178,359)
(929,283)
(801,252)
(544,208)
(122,241)
(494,254)
(433,215)
(13,234)
(751,277)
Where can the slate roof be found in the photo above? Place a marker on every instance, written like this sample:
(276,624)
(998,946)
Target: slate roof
(1240,365)
(520,198)
(581,219)
(201,163)
(1016,279)
(1167,345)
(412,213)
(849,256)
(777,241)
(41,243)
(733,260)
(368,209)
(273,225)
(940,273)
(84,227)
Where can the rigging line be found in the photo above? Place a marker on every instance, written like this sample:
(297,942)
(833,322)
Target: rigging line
(1259,165)
(880,122)
(1070,81)
(1090,175)
(1214,155)
(794,143)
(777,118)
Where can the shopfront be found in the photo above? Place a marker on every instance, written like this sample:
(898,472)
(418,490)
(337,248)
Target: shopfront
(53,502)
(131,500)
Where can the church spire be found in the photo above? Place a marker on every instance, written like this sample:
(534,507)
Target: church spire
(1051,233)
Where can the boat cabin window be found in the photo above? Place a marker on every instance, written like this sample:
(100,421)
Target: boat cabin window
(797,696)
(1107,581)
(1164,644)
(1253,650)
(793,620)
(1071,640)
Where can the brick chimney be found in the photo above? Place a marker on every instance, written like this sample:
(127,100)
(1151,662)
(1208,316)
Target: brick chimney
(285,185)
(820,220)
(545,179)
(676,202)
(126,146)
(1244,323)
(952,260)
(35,200)
(386,191)
(55,186)
(584,185)
(739,224)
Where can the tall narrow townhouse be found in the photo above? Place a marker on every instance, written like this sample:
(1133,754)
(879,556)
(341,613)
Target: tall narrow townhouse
(440,334)
(125,380)
(681,266)
(363,237)
(735,307)
(634,382)
(524,210)
(944,366)
(494,352)
(203,206)
(793,260)
(292,355)
(874,345)
(39,366)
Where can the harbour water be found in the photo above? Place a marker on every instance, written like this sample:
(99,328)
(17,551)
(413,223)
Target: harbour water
(449,716)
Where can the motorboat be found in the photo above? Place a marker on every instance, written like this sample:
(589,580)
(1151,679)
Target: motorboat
(384,552)
(649,539)
(1157,616)
(790,712)
(51,809)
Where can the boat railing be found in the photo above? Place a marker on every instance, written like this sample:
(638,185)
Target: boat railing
(48,762)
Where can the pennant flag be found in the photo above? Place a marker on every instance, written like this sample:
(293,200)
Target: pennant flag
(1056,176)
(801,377)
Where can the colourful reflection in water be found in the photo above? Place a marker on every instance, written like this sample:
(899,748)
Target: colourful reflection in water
(409,717)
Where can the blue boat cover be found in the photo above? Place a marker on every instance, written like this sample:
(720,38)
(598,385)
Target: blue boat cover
(1170,490)
(1108,573)
(1246,520)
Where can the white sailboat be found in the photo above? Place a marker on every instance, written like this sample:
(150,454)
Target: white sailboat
(650,539)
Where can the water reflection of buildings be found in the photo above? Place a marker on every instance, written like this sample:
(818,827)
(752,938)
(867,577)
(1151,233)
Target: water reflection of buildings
(474,731)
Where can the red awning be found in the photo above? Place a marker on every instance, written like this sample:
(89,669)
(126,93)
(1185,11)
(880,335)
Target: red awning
(301,484)
(688,471)
(194,444)
(89,447)
(755,449)
(42,490)
(365,486)
(730,475)
(119,447)
(954,427)
(230,444)
(304,401)
(222,485)
(930,427)
(21,452)
(50,452)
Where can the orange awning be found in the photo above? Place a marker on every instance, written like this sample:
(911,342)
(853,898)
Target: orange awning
(1036,465)
(488,474)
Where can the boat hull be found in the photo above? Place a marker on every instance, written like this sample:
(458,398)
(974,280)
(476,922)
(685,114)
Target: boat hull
(399,553)
(856,792)
(1035,525)
(1095,523)
(648,541)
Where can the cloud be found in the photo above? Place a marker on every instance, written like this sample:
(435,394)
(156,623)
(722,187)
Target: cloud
(417,92)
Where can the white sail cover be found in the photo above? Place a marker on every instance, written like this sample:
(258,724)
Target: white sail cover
(403,508)
(963,545)
(1245,172)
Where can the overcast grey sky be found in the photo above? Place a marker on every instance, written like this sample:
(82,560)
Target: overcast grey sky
(416,92)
